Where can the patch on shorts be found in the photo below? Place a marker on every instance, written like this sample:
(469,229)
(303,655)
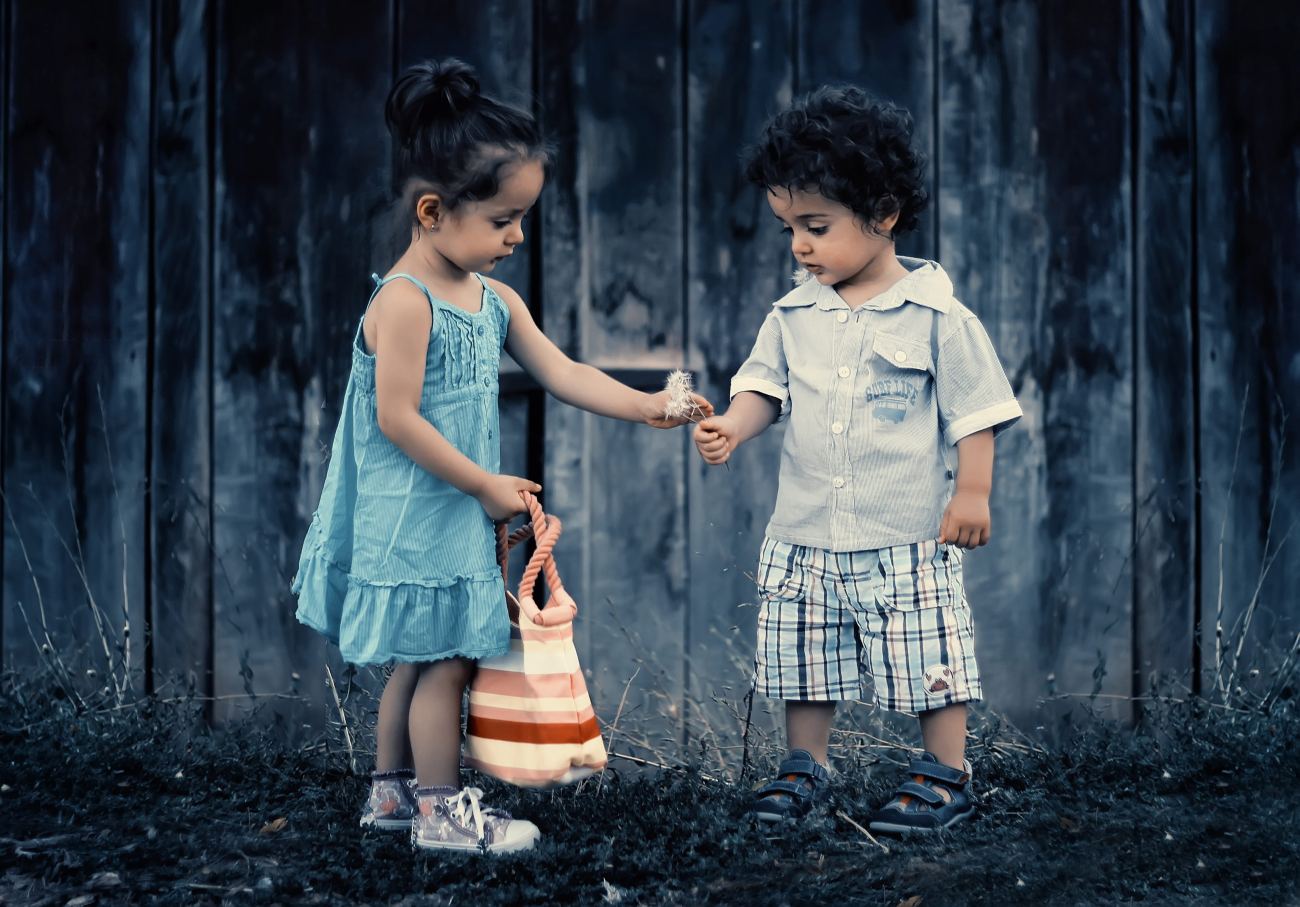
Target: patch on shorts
(938,679)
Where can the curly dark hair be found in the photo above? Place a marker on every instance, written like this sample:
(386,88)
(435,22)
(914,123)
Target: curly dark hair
(852,148)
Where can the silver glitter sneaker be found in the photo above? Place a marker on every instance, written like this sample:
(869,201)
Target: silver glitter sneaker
(450,819)
(391,805)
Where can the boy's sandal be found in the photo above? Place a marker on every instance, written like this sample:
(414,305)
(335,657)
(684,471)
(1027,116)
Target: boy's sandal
(800,782)
(917,804)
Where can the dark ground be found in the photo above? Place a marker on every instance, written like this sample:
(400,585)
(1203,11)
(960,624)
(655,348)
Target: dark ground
(144,806)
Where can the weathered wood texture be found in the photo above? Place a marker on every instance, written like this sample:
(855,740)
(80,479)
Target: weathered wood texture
(740,72)
(1164,390)
(1033,211)
(76,332)
(191,209)
(621,486)
(301,162)
(181,378)
(1247,297)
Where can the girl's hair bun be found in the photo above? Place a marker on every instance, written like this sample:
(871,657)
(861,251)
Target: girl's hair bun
(427,92)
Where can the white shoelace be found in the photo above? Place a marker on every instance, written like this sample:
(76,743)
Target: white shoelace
(465,805)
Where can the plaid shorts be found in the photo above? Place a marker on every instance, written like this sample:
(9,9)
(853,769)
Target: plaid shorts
(829,621)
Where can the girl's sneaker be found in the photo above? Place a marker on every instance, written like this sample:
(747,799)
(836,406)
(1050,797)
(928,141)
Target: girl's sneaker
(450,819)
(392,804)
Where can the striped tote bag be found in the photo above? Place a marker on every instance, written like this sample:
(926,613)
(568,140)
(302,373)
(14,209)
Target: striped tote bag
(530,719)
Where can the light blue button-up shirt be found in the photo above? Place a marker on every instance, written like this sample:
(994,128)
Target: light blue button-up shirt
(875,398)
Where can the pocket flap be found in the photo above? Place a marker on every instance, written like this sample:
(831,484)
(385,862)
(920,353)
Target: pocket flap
(901,352)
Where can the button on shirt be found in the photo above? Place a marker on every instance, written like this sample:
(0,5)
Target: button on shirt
(875,399)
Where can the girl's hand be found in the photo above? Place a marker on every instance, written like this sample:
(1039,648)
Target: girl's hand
(966,521)
(501,498)
(714,439)
(654,411)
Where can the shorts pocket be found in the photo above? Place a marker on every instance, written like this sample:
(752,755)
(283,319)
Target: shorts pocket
(920,575)
(783,571)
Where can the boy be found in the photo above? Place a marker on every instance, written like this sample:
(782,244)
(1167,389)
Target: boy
(881,375)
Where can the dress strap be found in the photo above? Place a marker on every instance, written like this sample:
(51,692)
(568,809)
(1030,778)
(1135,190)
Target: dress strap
(381,281)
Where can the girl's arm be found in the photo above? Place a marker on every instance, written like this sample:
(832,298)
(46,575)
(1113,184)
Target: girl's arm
(402,321)
(575,383)
(966,522)
(749,415)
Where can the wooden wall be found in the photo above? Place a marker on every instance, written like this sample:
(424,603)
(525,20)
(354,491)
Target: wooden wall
(192,199)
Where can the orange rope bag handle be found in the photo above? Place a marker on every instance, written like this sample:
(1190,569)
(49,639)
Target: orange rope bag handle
(561,608)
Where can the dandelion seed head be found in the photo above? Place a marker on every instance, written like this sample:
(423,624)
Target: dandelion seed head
(681,400)
(800,277)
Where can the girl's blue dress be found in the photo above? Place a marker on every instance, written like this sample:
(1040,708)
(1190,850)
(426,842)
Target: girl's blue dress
(398,565)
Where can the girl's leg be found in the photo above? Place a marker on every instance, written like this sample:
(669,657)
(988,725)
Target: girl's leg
(435,721)
(944,733)
(808,727)
(392,736)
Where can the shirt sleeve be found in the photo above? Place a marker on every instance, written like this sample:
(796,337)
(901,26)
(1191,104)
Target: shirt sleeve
(765,370)
(972,389)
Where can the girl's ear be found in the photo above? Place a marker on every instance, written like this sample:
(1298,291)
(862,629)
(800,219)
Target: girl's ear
(430,211)
(886,225)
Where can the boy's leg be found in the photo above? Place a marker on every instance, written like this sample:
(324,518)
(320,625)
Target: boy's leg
(435,721)
(944,734)
(808,727)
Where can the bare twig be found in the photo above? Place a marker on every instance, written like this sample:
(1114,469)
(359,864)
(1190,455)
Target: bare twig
(1223,532)
(343,719)
(870,837)
(613,728)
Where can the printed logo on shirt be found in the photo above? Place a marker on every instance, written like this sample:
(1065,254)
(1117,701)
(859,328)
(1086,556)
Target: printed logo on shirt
(890,399)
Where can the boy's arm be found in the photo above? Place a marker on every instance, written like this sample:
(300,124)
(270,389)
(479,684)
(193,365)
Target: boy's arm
(578,384)
(748,416)
(966,522)
(403,322)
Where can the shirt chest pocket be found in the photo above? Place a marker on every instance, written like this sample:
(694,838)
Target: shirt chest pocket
(892,354)
(900,369)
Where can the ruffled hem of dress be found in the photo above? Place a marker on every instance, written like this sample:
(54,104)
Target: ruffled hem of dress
(387,658)
(330,598)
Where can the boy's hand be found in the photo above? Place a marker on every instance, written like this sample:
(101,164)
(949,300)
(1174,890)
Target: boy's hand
(966,522)
(655,411)
(501,498)
(714,438)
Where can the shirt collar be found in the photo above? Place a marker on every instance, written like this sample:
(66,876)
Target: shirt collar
(926,285)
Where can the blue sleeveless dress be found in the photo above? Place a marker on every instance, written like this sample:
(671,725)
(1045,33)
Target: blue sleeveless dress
(398,565)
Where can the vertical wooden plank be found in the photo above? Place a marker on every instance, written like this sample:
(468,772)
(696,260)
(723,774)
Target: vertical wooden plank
(740,72)
(1033,208)
(493,36)
(564,290)
(182,404)
(496,38)
(1248,293)
(626,481)
(301,162)
(4,285)
(76,328)
(1164,550)
(887,49)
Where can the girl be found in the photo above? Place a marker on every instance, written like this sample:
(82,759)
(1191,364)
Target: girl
(399,563)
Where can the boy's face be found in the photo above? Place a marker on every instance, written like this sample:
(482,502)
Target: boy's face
(480,234)
(828,239)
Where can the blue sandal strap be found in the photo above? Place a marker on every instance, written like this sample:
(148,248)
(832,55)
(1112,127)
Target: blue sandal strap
(937,771)
(921,792)
(792,788)
(802,763)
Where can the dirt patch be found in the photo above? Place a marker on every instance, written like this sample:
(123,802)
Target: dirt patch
(144,805)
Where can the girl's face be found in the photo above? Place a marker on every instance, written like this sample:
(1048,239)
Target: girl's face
(476,235)
(827,238)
